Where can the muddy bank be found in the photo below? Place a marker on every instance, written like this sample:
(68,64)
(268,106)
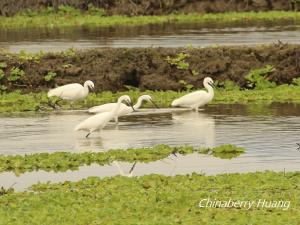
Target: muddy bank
(152,7)
(147,68)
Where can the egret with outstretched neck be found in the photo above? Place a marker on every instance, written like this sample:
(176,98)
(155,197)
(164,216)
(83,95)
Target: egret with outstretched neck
(99,121)
(124,109)
(198,98)
(72,92)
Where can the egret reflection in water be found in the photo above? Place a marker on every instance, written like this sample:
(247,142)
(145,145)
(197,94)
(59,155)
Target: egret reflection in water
(199,125)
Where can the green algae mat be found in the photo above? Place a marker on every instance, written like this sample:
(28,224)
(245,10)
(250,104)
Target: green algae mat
(155,199)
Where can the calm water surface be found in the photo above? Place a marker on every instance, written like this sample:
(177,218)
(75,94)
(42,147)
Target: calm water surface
(169,35)
(269,134)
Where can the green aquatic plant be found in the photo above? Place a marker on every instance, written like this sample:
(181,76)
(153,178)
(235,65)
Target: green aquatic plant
(94,11)
(23,55)
(179,61)
(15,74)
(2,88)
(227,151)
(50,76)
(187,86)
(2,74)
(63,161)
(3,65)
(228,85)
(194,72)
(69,52)
(157,199)
(258,78)
(296,81)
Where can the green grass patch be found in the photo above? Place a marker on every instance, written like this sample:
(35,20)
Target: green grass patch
(63,161)
(20,102)
(68,18)
(156,199)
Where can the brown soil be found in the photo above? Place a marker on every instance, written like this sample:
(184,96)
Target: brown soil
(152,7)
(147,68)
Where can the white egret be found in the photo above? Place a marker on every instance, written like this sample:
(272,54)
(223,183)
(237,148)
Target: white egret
(124,109)
(99,121)
(71,92)
(198,98)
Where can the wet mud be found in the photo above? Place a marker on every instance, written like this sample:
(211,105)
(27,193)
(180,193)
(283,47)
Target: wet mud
(152,7)
(147,68)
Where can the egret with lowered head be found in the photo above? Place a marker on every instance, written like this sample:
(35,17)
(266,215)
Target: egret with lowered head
(124,109)
(197,99)
(99,121)
(72,92)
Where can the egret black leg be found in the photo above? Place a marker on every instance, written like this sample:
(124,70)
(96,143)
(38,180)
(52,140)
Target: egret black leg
(56,103)
(132,168)
(72,105)
(59,100)
(88,135)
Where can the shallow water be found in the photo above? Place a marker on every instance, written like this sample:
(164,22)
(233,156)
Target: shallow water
(258,128)
(268,132)
(168,35)
(168,167)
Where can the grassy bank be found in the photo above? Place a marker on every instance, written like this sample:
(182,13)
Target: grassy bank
(73,17)
(63,161)
(155,199)
(19,102)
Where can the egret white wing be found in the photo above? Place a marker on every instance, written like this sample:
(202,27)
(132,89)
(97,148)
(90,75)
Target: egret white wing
(103,108)
(124,109)
(94,122)
(190,99)
(67,91)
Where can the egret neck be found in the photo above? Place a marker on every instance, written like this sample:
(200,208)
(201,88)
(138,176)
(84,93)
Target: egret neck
(139,103)
(116,109)
(210,90)
(85,89)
